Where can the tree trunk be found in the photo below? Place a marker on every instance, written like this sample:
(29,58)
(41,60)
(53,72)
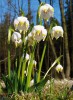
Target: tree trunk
(29,11)
(71,16)
(67,63)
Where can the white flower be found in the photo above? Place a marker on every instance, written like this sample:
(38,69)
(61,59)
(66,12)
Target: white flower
(21,23)
(39,33)
(32,82)
(16,38)
(46,11)
(27,56)
(57,31)
(30,39)
(59,68)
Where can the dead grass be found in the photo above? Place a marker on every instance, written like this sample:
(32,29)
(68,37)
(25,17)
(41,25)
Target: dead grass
(56,90)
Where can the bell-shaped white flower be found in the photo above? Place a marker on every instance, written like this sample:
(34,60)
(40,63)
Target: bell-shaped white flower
(57,31)
(27,57)
(32,82)
(30,39)
(16,38)
(59,68)
(21,23)
(46,11)
(39,33)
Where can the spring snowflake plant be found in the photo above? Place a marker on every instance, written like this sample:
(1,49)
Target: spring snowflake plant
(26,37)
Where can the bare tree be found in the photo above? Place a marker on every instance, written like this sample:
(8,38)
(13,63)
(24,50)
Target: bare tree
(71,16)
(67,63)
(29,11)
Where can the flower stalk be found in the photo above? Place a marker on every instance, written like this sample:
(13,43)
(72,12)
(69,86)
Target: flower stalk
(40,64)
(9,61)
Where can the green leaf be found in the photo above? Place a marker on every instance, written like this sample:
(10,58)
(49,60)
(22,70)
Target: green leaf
(30,66)
(40,64)
(9,38)
(8,83)
(56,61)
(23,70)
(38,86)
(19,69)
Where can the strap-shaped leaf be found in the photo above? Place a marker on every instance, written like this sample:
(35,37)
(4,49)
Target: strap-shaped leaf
(38,86)
(56,61)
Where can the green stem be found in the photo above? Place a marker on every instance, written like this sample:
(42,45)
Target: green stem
(19,69)
(23,70)
(41,62)
(29,71)
(9,61)
(17,59)
(38,20)
(21,59)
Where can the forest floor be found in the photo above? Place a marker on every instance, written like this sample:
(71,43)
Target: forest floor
(54,89)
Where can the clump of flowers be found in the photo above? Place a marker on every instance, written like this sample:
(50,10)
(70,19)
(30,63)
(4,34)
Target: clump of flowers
(16,38)
(59,68)
(46,11)
(21,77)
(21,23)
(57,31)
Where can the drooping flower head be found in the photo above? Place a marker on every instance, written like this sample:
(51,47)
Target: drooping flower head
(59,68)
(39,33)
(30,39)
(46,11)
(16,38)
(21,23)
(57,31)
(27,57)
